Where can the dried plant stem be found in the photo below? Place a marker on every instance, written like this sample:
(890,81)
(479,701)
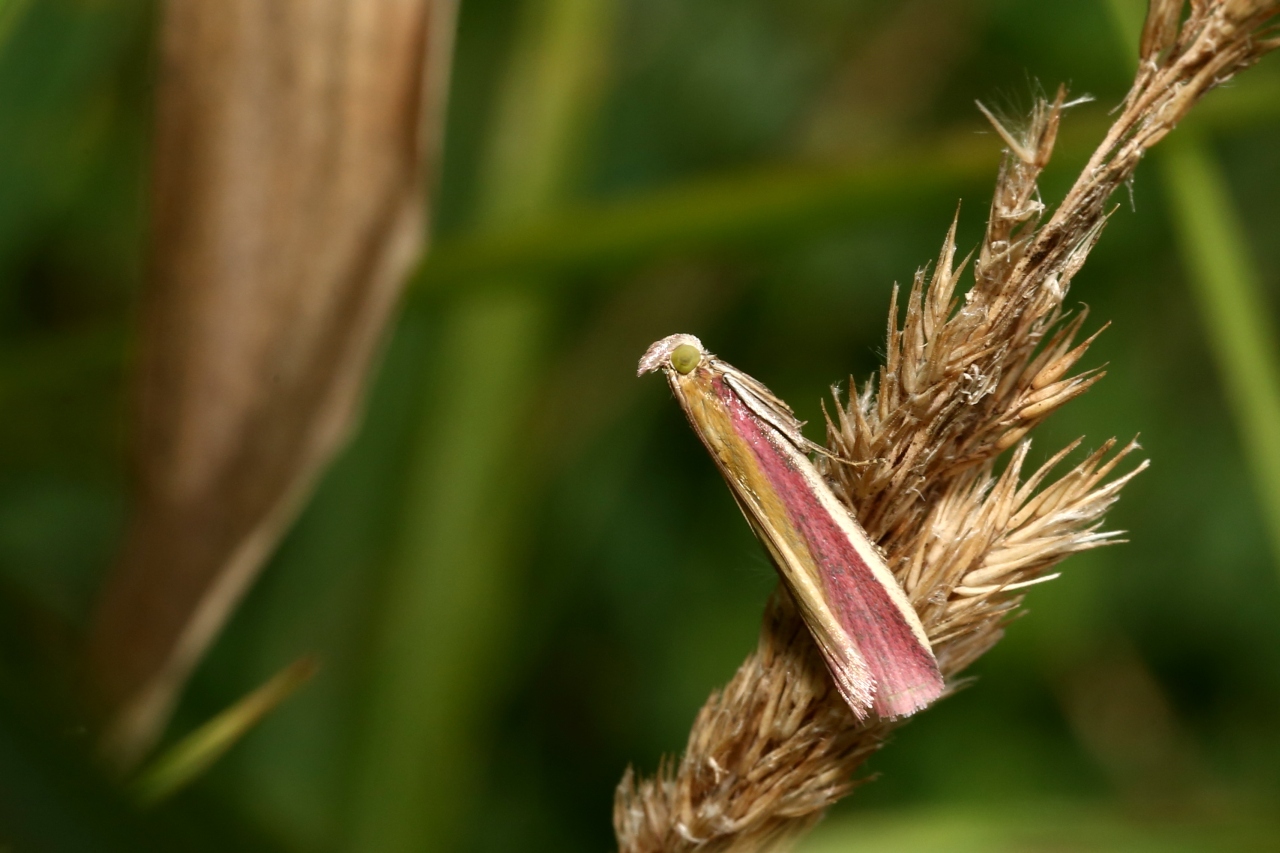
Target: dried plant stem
(965,379)
(293,144)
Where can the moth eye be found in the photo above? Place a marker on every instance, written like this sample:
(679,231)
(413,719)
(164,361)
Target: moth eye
(685,358)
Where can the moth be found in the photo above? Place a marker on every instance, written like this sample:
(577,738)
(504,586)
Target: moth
(867,630)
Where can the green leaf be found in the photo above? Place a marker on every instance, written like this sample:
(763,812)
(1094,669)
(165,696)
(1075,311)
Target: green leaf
(190,757)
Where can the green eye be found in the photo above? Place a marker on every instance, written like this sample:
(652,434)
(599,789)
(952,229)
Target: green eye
(685,358)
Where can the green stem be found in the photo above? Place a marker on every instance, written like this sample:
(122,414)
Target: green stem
(190,757)
(449,608)
(447,603)
(1237,317)
(1227,290)
(772,202)
(11,12)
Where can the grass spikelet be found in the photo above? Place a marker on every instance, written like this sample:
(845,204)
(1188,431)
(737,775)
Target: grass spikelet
(915,454)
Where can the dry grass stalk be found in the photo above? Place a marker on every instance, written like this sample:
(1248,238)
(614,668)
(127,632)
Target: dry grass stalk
(965,379)
(293,144)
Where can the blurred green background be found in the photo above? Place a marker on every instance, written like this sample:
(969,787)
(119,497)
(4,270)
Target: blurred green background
(523,574)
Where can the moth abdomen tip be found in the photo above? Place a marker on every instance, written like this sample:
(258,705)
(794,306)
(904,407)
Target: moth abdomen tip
(907,701)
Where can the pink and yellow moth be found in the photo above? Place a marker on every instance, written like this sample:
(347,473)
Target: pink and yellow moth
(866,629)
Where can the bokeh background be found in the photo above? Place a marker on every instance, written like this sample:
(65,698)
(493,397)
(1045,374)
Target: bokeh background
(756,172)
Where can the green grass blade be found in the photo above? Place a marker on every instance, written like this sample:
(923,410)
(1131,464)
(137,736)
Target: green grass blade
(775,202)
(1042,826)
(1237,316)
(192,756)
(448,607)
(11,12)
(1227,289)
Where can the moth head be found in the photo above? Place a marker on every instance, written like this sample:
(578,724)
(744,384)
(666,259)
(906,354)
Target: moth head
(679,353)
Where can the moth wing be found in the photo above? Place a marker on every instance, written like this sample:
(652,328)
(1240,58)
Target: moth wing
(849,670)
(764,405)
(903,680)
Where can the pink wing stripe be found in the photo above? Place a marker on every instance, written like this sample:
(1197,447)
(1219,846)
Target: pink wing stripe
(906,675)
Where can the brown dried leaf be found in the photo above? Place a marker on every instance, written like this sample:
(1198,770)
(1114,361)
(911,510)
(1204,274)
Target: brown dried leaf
(293,144)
